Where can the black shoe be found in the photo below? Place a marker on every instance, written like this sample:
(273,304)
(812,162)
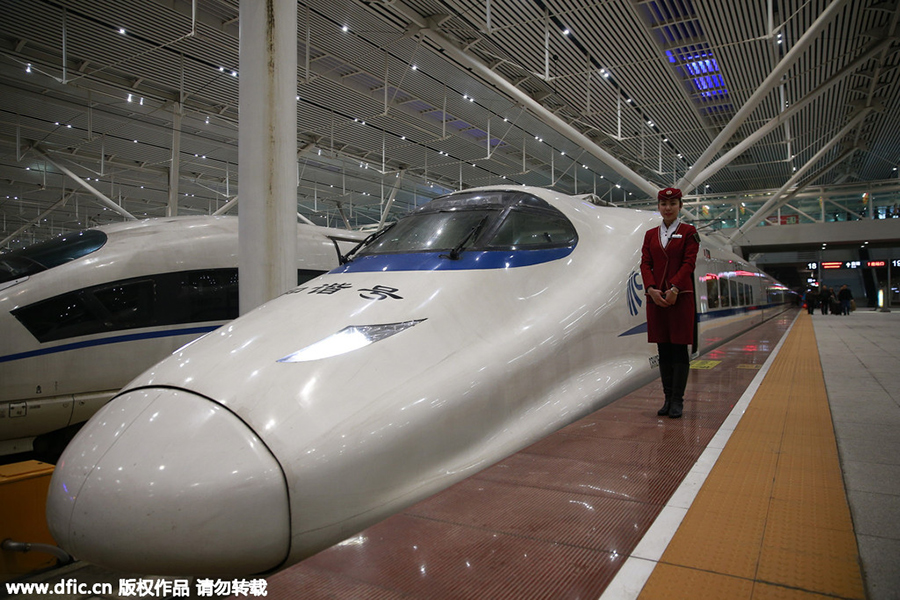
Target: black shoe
(664,410)
(675,409)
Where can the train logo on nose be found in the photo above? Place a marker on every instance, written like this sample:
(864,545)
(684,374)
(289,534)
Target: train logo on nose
(634,293)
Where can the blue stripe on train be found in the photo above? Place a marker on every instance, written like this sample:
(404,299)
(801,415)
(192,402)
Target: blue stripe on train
(110,340)
(439,261)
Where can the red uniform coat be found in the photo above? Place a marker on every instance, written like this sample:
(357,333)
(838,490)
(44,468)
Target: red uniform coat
(662,268)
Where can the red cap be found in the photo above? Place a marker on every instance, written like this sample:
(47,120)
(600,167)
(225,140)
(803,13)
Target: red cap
(669,193)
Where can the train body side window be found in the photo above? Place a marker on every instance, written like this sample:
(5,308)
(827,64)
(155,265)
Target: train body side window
(724,296)
(127,305)
(712,290)
(58,318)
(153,301)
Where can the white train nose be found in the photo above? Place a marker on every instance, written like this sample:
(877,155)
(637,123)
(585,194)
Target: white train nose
(166,482)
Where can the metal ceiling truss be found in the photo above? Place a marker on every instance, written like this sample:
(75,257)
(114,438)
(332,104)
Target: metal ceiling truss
(402,100)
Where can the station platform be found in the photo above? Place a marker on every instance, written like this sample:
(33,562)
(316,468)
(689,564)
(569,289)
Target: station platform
(782,480)
(744,497)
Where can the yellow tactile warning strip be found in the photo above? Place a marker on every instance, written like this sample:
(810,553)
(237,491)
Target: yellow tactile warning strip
(771,520)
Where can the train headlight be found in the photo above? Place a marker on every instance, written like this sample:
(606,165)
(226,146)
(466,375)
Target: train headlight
(348,339)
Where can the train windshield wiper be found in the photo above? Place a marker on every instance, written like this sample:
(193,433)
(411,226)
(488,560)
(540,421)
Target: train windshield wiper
(473,233)
(345,258)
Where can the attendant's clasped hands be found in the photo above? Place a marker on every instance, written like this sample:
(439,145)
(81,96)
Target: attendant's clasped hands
(660,299)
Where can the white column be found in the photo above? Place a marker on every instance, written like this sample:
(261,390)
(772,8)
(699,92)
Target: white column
(175,163)
(267,150)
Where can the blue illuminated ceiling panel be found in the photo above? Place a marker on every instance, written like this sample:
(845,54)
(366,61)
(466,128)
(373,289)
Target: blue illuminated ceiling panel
(679,32)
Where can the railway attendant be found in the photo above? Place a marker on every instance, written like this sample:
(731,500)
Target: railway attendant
(668,257)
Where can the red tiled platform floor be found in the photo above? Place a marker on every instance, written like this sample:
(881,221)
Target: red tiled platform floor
(556,520)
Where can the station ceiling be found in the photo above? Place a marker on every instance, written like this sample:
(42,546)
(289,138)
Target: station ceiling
(426,96)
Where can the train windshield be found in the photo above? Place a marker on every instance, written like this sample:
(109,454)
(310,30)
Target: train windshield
(51,253)
(501,220)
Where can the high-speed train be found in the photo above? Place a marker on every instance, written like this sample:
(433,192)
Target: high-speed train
(83,314)
(476,325)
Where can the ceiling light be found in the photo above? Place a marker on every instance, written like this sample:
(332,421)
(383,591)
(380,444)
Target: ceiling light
(28,68)
(566,32)
(345,29)
(122,30)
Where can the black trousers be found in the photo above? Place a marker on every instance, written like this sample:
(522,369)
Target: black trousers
(673,354)
(674,368)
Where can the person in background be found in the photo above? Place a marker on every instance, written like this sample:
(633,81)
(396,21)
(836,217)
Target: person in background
(811,296)
(668,256)
(825,295)
(845,296)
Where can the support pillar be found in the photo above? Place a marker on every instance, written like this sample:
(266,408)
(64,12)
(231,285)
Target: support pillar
(175,163)
(267,150)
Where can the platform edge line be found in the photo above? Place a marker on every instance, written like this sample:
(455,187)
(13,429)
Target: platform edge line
(631,578)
